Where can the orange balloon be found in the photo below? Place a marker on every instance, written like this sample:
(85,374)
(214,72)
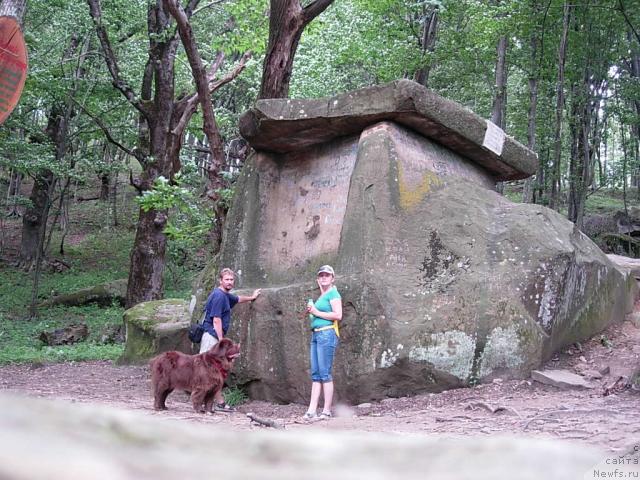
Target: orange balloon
(13,65)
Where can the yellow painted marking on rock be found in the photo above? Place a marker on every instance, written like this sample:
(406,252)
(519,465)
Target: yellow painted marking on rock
(410,197)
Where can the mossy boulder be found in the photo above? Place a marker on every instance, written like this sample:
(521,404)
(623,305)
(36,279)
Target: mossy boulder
(155,327)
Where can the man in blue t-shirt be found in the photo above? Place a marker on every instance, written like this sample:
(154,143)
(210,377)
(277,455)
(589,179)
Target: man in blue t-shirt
(218,317)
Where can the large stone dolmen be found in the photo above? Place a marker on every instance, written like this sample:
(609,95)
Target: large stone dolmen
(445,283)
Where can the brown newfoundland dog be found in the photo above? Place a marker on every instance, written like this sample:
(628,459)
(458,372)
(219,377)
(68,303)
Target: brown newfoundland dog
(203,375)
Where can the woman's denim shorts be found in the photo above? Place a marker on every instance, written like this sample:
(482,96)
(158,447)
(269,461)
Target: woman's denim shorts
(323,348)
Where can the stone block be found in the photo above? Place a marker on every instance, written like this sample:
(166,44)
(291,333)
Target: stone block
(155,327)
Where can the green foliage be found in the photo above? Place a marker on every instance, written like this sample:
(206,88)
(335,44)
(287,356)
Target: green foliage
(235,396)
(191,220)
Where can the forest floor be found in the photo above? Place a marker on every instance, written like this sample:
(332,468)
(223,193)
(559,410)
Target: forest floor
(513,407)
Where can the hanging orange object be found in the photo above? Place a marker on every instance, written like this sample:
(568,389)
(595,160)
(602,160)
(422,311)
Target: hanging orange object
(13,65)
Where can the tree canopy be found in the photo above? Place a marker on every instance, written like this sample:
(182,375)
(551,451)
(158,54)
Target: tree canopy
(571,83)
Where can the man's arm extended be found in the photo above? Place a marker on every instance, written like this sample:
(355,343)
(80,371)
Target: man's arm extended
(244,298)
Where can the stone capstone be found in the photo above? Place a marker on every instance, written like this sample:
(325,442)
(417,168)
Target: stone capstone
(155,327)
(63,441)
(287,125)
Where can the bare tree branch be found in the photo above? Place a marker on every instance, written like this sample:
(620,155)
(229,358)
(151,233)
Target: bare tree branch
(628,20)
(237,70)
(110,58)
(314,9)
(193,100)
(203,80)
(191,103)
(215,66)
(134,153)
(208,5)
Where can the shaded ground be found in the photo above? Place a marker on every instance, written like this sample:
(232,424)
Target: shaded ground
(521,407)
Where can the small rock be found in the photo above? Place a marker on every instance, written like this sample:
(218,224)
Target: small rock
(580,368)
(604,370)
(497,380)
(635,319)
(560,378)
(592,375)
(582,359)
(364,405)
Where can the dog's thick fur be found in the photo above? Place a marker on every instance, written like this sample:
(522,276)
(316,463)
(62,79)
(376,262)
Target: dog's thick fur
(203,374)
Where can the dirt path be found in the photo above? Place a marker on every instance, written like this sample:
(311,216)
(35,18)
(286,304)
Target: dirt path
(519,407)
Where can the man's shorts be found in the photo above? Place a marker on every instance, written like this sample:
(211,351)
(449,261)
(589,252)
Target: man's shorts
(207,342)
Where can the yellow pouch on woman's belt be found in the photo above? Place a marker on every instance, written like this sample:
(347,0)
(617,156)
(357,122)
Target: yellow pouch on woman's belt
(334,326)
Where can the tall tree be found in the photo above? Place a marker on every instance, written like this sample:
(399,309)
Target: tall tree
(287,21)
(34,221)
(533,77)
(164,117)
(557,138)
(205,86)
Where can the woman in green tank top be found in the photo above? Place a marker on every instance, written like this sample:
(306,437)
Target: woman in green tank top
(324,315)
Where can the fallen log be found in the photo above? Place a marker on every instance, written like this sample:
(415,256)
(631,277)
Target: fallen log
(104,295)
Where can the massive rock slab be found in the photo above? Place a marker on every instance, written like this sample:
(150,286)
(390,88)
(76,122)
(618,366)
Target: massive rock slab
(284,126)
(58,440)
(445,283)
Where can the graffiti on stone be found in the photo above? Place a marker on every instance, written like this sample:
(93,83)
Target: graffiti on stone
(306,220)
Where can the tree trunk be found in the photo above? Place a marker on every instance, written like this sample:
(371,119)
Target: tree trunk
(635,126)
(105,182)
(34,217)
(574,157)
(13,8)
(527,190)
(498,112)
(287,20)
(427,42)
(557,138)
(146,273)
(15,185)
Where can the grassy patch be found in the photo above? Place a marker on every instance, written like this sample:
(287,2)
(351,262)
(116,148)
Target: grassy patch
(105,253)
(605,202)
(19,340)
(95,258)
(235,396)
